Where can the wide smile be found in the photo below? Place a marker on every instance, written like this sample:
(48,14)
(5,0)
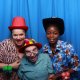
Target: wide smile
(19,42)
(52,40)
(34,58)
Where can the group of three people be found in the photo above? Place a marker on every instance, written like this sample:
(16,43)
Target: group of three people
(57,61)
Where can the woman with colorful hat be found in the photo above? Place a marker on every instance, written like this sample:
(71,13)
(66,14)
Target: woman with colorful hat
(34,65)
(62,54)
(9,54)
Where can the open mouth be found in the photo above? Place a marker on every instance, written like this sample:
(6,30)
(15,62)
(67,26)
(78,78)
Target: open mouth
(33,59)
(51,40)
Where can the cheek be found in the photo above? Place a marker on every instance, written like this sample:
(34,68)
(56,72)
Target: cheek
(14,37)
(23,36)
(56,36)
(53,36)
(48,36)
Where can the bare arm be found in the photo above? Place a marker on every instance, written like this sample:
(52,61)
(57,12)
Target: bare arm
(15,65)
(2,65)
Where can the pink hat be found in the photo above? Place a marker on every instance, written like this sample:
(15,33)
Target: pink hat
(18,23)
(30,42)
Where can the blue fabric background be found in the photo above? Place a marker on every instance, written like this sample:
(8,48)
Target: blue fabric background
(35,10)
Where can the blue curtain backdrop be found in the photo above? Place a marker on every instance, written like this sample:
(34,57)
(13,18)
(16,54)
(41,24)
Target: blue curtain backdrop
(35,10)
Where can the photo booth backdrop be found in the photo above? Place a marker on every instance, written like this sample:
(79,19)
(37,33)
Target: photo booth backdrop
(35,10)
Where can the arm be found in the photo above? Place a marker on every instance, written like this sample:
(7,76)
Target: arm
(3,52)
(50,69)
(15,65)
(1,56)
(73,59)
(2,65)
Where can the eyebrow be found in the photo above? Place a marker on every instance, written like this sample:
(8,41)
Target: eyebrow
(32,50)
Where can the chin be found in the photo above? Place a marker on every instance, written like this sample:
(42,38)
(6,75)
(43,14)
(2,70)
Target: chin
(19,44)
(52,42)
(33,61)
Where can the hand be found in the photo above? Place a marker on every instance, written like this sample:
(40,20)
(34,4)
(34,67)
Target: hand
(65,75)
(52,77)
(15,64)
(71,71)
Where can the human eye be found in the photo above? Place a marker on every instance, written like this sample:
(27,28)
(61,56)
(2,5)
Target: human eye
(27,52)
(35,49)
(14,34)
(21,34)
(48,33)
(56,33)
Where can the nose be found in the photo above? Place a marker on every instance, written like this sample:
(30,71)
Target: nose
(32,55)
(18,37)
(51,35)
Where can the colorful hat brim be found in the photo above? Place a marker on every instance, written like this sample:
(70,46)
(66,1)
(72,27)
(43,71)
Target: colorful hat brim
(38,45)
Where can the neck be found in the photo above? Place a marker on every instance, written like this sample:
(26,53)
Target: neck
(53,47)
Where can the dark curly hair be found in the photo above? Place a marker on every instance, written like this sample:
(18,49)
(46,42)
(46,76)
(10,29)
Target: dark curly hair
(57,22)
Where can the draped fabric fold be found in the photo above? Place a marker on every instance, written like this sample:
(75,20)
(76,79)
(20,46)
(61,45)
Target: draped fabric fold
(35,10)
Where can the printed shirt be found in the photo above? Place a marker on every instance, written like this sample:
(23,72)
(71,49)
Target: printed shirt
(65,56)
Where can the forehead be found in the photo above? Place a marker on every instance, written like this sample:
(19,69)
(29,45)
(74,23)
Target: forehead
(30,47)
(17,31)
(52,28)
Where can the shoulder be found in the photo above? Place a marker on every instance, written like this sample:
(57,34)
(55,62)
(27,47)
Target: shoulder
(66,47)
(44,56)
(8,45)
(64,44)
(6,41)
(23,61)
(46,45)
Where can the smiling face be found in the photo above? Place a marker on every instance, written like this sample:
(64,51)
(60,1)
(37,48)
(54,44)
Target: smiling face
(52,34)
(31,53)
(18,36)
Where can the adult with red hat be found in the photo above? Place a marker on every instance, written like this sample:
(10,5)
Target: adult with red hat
(9,54)
(34,65)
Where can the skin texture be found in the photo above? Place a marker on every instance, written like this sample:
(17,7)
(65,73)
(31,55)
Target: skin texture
(31,53)
(18,36)
(52,34)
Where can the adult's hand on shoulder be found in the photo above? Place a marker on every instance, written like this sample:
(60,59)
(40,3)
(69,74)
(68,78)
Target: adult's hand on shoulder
(15,64)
